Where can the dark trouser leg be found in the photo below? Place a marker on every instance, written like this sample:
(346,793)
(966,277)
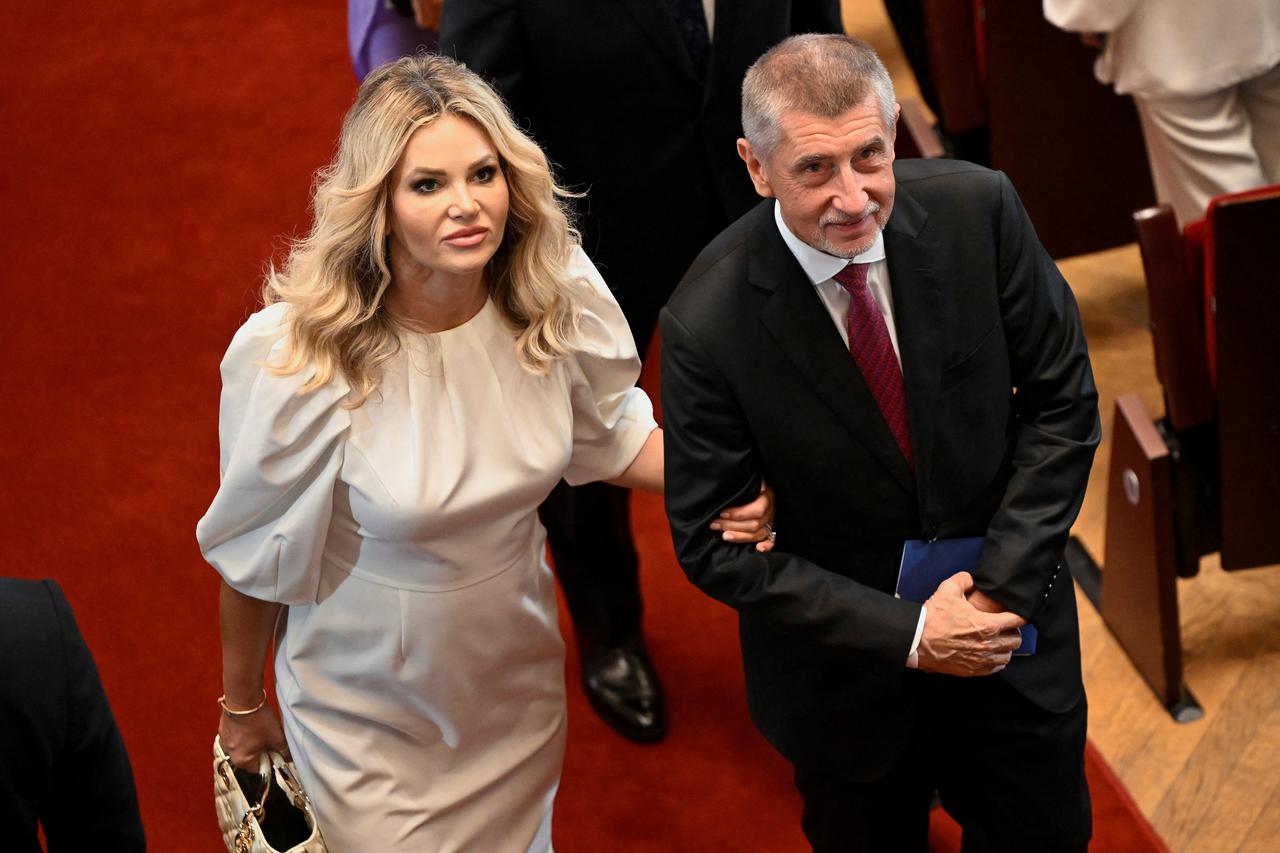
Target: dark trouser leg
(889,814)
(907,17)
(589,531)
(1012,773)
(1009,772)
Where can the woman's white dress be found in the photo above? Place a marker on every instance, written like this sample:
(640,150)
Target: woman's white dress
(421,672)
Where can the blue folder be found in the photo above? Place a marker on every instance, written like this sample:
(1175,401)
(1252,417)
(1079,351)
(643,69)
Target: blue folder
(925,565)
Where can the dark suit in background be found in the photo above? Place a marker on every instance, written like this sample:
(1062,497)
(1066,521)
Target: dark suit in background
(62,762)
(613,95)
(756,381)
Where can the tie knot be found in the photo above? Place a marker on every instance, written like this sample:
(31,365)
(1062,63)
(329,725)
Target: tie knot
(852,277)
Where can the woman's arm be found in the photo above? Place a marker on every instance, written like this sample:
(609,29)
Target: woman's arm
(645,471)
(751,522)
(247,627)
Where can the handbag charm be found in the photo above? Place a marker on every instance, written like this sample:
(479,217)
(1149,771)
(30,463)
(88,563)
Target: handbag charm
(244,838)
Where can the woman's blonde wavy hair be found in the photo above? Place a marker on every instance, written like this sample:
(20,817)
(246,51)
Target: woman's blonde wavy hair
(335,279)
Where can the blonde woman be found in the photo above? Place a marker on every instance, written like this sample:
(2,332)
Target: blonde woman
(431,360)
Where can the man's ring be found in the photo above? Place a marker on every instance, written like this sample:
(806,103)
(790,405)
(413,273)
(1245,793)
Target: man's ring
(773,534)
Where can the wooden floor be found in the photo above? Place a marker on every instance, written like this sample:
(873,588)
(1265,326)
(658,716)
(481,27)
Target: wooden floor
(1214,784)
(1211,785)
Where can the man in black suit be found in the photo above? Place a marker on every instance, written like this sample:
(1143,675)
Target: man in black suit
(62,762)
(636,103)
(936,387)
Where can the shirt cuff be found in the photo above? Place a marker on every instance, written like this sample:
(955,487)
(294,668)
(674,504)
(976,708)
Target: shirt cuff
(913,659)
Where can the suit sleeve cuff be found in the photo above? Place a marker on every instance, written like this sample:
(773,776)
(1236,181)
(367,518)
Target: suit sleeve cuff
(913,659)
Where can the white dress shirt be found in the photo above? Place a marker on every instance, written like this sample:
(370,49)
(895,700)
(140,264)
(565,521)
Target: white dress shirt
(821,269)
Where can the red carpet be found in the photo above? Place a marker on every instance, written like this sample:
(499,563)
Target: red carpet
(155,153)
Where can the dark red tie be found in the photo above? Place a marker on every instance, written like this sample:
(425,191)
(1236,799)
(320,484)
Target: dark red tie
(873,351)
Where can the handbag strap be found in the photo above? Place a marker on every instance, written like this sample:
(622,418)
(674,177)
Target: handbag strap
(287,778)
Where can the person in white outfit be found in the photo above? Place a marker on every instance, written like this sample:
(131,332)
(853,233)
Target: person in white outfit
(1205,77)
(432,359)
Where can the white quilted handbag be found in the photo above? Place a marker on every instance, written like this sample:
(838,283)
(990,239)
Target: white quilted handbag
(280,820)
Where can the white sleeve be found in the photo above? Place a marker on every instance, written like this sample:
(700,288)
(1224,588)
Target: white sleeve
(913,659)
(611,416)
(1089,16)
(280,454)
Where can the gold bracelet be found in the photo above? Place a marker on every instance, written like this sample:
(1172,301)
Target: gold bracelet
(222,702)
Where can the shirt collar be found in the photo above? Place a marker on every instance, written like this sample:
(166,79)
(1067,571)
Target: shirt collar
(817,264)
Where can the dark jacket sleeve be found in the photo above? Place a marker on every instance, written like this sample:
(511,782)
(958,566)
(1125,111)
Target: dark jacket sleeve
(711,464)
(1056,417)
(93,803)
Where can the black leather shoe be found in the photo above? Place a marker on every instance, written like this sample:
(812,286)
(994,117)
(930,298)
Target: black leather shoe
(624,691)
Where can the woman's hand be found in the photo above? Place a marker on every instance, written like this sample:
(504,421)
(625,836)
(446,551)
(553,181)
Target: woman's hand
(751,522)
(245,737)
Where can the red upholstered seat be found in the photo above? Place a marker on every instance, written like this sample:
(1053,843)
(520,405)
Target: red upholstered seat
(1193,242)
(1199,243)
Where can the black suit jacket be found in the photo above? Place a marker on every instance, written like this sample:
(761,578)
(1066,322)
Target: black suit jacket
(62,761)
(608,90)
(756,381)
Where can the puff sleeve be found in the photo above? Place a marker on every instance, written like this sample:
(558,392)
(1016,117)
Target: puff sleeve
(280,454)
(611,416)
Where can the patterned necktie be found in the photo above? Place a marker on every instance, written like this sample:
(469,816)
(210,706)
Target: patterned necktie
(691,21)
(873,351)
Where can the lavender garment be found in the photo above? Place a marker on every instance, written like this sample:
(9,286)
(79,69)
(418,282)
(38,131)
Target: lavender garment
(378,34)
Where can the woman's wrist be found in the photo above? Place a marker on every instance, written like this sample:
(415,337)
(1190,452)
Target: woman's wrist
(236,708)
(242,685)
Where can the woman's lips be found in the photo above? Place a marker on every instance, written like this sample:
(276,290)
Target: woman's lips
(467,237)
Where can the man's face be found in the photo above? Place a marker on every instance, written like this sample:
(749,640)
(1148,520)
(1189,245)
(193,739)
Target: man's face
(832,177)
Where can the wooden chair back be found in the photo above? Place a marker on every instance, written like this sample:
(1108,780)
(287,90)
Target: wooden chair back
(1176,304)
(1242,266)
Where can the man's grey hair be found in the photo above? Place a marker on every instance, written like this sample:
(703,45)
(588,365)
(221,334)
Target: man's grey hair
(823,75)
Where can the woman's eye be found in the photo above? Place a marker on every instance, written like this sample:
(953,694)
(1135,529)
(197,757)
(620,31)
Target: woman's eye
(486,174)
(426,185)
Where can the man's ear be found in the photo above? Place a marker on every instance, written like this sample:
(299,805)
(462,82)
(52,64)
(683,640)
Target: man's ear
(893,131)
(755,168)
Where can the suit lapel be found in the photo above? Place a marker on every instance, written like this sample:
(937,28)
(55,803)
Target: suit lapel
(796,318)
(654,20)
(917,315)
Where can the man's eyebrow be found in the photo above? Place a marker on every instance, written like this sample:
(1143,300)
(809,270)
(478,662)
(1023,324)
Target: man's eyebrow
(809,159)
